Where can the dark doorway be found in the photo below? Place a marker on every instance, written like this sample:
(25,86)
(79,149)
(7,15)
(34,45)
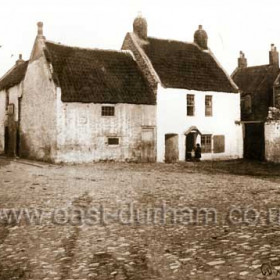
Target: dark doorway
(254,141)
(6,147)
(190,144)
(171,148)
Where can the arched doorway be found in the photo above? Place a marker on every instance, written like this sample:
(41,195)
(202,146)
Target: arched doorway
(191,140)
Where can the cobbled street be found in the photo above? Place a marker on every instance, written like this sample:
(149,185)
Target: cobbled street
(220,221)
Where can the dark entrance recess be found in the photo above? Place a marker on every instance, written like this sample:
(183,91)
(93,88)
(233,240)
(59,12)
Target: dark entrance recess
(6,148)
(254,141)
(190,144)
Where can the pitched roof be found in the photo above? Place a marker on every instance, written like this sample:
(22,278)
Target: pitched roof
(255,79)
(258,82)
(185,65)
(14,76)
(98,76)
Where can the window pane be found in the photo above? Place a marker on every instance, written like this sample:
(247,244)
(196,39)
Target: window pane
(113,141)
(108,111)
(206,143)
(208,105)
(190,104)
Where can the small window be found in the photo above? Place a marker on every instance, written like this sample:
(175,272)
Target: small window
(7,100)
(190,104)
(208,105)
(219,143)
(108,111)
(246,104)
(113,141)
(206,143)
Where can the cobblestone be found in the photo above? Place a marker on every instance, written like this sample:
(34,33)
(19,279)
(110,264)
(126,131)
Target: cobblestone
(225,249)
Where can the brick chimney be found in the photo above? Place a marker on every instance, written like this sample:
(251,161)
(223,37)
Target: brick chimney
(274,56)
(242,60)
(20,60)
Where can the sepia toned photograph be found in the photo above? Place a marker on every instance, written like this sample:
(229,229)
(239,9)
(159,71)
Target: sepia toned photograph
(139,140)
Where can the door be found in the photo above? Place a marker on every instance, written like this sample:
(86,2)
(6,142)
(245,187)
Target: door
(148,145)
(171,148)
(190,144)
(6,149)
(254,141)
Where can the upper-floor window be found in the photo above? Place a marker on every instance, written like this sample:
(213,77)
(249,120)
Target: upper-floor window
(190,105)
(246,104)
(206,143)
(107,111)
(208,105)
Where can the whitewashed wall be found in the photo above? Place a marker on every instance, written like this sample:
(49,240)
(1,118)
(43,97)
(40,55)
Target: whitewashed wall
(38,113)
(272,140)
(172,118)
(2,120)
(82,131)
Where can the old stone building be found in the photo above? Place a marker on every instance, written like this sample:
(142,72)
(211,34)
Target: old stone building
(11,89)
(257,85)
(197,102)
(82,105)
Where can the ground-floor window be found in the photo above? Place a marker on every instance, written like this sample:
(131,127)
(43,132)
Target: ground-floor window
(113,141)
(206,143)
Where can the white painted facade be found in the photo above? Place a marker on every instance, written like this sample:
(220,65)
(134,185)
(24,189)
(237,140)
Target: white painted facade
(82,133)
(172,119)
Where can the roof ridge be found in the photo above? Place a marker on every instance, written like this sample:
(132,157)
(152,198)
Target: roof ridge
(87,49)
(173,40)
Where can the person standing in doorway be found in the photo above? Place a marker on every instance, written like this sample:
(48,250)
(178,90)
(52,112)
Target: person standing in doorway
(197,152)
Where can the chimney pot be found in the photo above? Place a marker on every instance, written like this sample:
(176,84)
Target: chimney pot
(242,60)
(274,56)
(20,60)
(40,28)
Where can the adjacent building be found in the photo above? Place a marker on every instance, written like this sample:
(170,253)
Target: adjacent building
(258,85)
(11,90)
(197,102)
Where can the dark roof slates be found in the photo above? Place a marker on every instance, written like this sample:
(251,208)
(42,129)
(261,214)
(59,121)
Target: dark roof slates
(184,65)
(98,76)
(14,77)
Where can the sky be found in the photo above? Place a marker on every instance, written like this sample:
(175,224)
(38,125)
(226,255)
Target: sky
(250,26)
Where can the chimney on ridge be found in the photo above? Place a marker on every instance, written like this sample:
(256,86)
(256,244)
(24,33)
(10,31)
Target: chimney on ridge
(242,60)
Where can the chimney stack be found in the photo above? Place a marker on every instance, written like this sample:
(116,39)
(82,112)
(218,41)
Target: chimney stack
(40,29)
(20,60)
(140,27)
(242,60)
(274,57)
(201,38)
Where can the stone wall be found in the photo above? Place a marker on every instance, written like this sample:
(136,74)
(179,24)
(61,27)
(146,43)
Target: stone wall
(38,113)
(272,140)
(2,120)
(83,133)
